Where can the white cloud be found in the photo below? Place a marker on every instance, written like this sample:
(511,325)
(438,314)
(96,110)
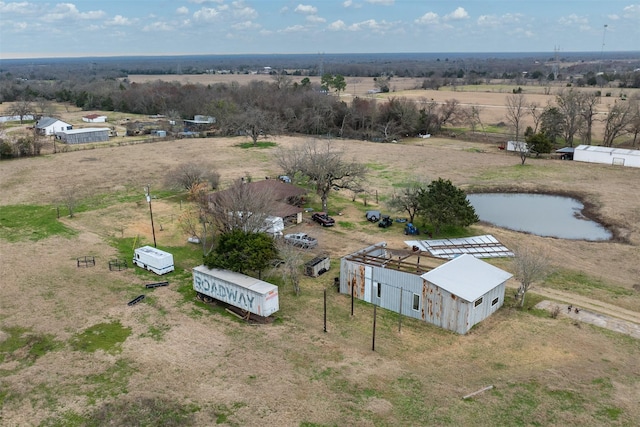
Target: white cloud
(69,12)
(429,18)
(206,14)
(157,26)
(293,29)
(306,9)
(457,15)
(246,25)
(613,17)
(631,11)
(573,19)
(494,21)
(382,2)
(370,25)
(120,20)
(338,25)
(182,10)
(206,1)
(316,19)
(15,7)
(245,12)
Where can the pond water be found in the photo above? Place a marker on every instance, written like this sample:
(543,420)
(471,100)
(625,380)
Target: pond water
(539,214)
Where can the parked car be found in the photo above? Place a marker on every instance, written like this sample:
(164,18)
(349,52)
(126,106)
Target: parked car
(385,221)
(373,216)
(411,229)
(301,240)
(323,219)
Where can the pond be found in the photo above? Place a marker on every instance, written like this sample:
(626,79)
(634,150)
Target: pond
(539,214)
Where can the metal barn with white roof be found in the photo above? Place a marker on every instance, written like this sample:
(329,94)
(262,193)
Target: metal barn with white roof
(607,155)
(453,295)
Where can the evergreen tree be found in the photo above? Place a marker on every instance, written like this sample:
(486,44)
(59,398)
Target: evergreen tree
(443,204)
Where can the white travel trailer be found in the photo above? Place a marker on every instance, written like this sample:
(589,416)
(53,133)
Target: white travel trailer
(153,259)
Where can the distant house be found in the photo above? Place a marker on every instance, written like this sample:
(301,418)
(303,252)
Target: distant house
(199,123)
(454,295)
(84,136)
(607,155)
(94,118)
(50,126)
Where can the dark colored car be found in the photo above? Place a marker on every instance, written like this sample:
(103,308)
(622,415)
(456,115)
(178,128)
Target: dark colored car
(323,219)
(385,221)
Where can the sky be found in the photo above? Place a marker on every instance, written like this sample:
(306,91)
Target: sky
(82,28)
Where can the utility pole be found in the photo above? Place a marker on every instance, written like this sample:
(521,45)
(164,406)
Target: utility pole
(147,191)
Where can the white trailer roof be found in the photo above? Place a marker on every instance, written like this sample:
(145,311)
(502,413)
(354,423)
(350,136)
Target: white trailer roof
(251,283)
(467,277)
(607,150)
(154,252)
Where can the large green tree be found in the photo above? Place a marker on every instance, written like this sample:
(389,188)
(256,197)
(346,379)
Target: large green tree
(242,251)
(444,204)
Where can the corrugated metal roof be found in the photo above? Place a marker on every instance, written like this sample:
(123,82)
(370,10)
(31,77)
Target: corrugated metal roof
(611,150)
(256,285)
(83,130)
(485,246)
(467,277)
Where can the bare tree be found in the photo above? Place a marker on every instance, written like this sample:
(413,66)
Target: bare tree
(256,123)
(323,165)
(22,109)
(449,111)
(536,114)
(291,267)
(617,123)
(197,221)
(529,266)
(408,199)
(570,105)
(516,110)
(634,125)
(186,175)
(588,112)
(241,206)
(69,198)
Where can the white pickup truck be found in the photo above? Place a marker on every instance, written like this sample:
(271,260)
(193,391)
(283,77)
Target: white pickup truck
(301,239)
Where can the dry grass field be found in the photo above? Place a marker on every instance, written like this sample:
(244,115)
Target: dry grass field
(184,363)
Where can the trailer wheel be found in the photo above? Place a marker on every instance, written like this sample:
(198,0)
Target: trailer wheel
(207,299)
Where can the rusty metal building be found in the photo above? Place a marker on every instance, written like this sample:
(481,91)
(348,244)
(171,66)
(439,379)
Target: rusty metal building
(453,295)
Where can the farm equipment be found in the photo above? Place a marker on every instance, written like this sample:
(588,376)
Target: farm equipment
(373,216)
(411,229)
(385,221)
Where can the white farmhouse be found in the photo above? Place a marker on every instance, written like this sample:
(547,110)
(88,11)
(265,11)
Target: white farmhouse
(50,126)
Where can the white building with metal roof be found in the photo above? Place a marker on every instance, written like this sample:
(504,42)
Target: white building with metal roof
(453,295)
(607,155)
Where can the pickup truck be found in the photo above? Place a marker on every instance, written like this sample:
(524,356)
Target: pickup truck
(323,219)
(301,239)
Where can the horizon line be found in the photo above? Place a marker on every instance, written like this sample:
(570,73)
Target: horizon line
(175,55)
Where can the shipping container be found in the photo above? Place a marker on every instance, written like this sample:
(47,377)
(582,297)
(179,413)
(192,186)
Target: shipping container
(236,289)
(153,259)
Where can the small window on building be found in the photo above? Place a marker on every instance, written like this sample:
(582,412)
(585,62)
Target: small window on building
(416,302)
(478,302)
(495,301)
(379,290)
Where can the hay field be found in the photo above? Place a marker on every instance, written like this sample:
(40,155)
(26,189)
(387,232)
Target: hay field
(186,359)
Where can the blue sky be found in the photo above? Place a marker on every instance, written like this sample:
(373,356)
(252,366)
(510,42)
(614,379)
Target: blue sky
(33,29)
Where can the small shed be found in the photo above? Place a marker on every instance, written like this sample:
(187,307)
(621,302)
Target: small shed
(517,146)
(317,266)
(94,118)
(84,136)
(454,295)
(607,155)
(463,292)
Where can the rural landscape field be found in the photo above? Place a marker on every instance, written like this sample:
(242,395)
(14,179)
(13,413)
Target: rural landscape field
(73,353)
